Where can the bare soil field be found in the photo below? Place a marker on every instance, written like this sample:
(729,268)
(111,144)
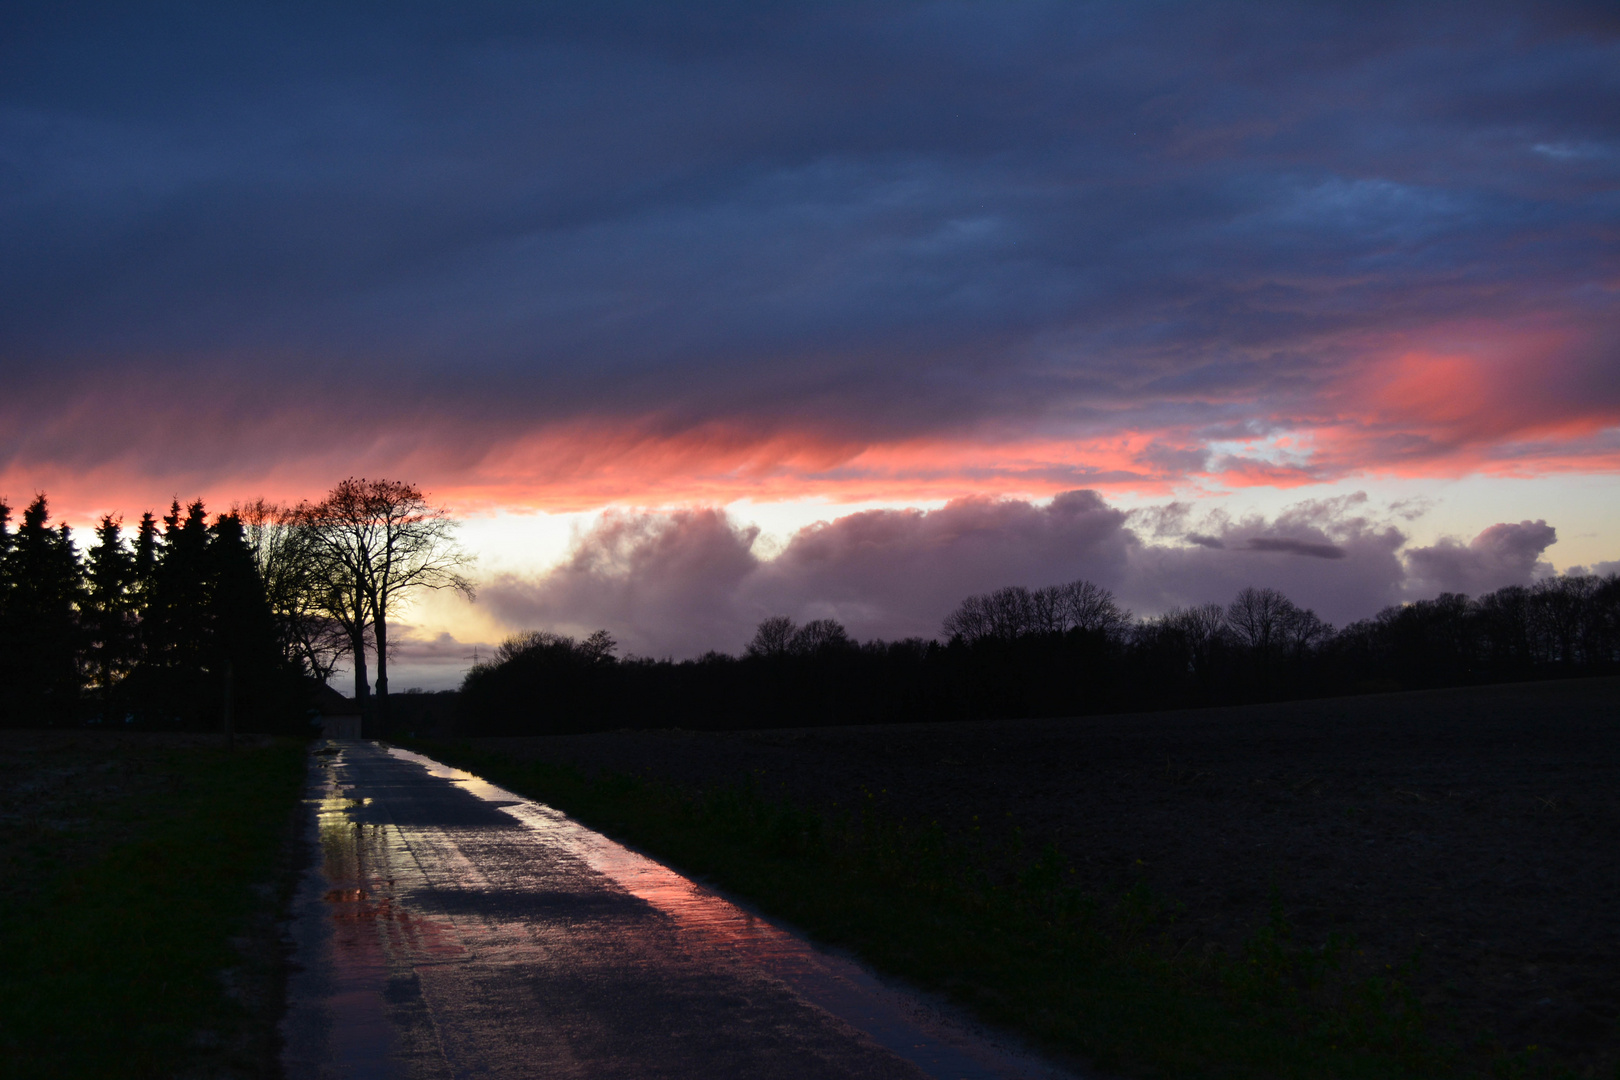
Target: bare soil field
(1475,829)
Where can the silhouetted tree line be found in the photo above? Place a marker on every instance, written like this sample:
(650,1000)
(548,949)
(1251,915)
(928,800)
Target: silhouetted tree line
(247,613)
(1060,651)
(143,632)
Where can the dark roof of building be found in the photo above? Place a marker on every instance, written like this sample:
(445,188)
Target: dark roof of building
(328,702)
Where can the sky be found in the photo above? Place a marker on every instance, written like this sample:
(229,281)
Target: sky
(695,315)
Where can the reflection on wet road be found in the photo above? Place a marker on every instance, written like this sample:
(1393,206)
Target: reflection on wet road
(449,928)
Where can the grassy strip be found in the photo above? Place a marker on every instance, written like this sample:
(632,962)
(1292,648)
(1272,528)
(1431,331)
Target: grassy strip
(1104,980)
(113,963)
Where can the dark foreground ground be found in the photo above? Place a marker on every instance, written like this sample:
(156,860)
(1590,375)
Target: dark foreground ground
(1477,829)
(141,883)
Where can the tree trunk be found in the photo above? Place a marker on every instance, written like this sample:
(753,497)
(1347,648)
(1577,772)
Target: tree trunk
(380,625)
(360,687)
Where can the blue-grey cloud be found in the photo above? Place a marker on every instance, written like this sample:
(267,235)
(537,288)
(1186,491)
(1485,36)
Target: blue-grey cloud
(879,219)
(1504,554)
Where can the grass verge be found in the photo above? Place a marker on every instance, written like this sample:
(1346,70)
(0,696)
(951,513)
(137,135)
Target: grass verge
(130,910)
(1107,981)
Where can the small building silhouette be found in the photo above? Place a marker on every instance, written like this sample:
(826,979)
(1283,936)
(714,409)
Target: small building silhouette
(339,715)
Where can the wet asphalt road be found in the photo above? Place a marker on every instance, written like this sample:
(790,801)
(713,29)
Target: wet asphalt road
(447,928)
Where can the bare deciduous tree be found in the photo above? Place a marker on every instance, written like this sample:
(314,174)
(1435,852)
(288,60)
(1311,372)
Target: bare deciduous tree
(1014,611)
(387,541)
(1202,628)
(297,584)
(1259,616)
(342,544)
(818,636)
(1269,624)
(969,622)
(1083,605)
(773,637)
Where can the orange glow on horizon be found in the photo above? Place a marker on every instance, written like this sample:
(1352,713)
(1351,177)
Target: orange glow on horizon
(1502,403)
(582,470)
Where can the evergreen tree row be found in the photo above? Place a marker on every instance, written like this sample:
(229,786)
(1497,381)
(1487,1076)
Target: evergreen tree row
(150,633)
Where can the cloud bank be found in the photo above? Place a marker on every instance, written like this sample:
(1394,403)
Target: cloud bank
(570,256)
(677,584)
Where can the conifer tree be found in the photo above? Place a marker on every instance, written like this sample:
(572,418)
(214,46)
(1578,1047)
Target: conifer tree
(10,671)
(171,684)
(109,609)
(40,591)
(146,559)
(243,627)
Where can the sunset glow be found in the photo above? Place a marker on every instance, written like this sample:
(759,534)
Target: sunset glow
(820,266)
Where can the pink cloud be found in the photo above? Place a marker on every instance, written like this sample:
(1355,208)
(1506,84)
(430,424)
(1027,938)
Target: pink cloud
(1481,397)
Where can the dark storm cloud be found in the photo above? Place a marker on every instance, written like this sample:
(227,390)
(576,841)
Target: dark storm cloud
(1295,547)
(882,220)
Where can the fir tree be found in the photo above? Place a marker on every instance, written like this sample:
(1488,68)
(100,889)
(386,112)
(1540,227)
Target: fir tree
(40,591)
(244,637)
(171,684)
(176,626)
(146,560)
(109,609)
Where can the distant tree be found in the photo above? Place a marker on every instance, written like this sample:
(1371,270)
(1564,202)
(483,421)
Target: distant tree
(969,622)
(598,648)
(772,638)
(1083,605)
(1013,612)
(1558,617)
(526,642)
(1203,631)
(1006,614)
(1604,622)
(1431,642)
(1303,631)
(1259,617)
(1505,625)
(1046,610)
(819,636)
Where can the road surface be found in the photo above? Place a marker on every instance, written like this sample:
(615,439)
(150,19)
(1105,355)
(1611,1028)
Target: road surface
(448,928)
